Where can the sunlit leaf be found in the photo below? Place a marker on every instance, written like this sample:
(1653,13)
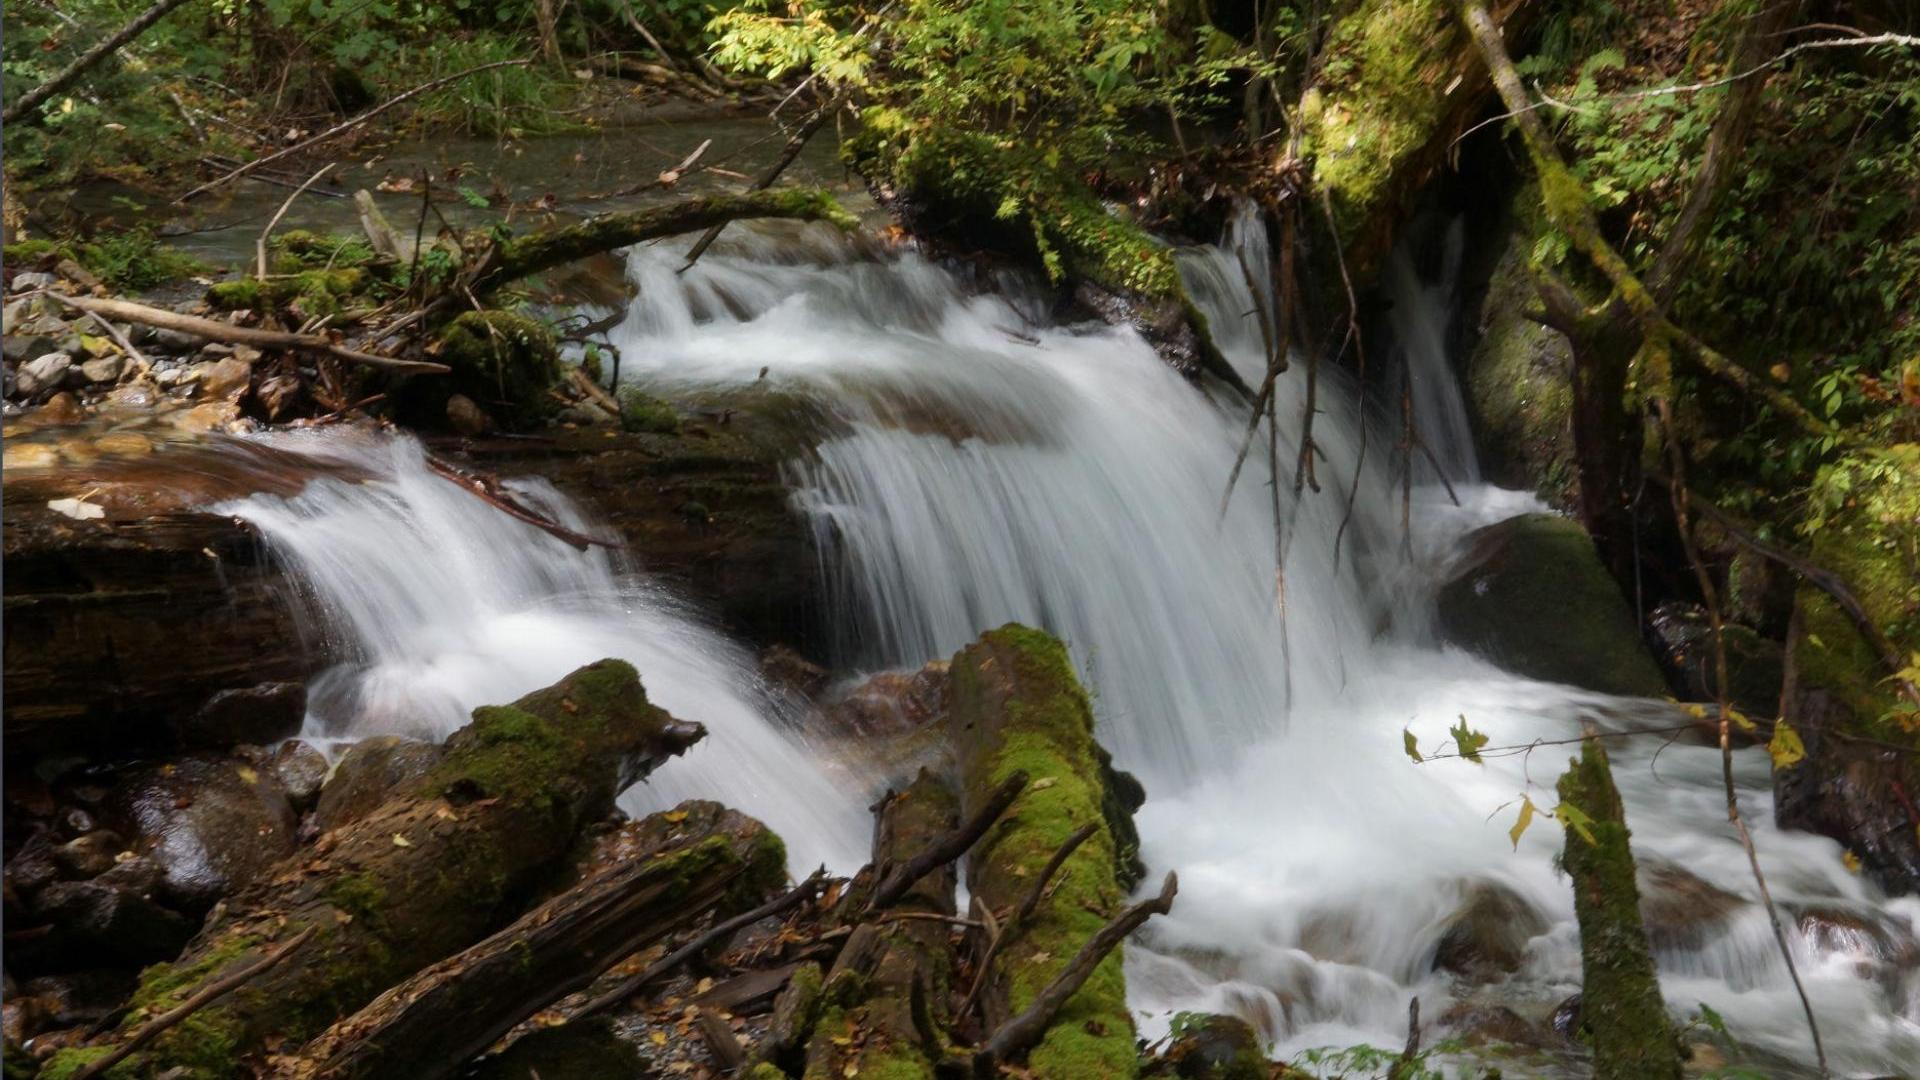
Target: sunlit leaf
(1468,741)
(1785,746)
(1412,745)
(1574,818)
(1520,825)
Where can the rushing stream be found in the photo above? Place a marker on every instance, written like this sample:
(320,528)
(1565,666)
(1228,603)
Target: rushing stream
(994,467)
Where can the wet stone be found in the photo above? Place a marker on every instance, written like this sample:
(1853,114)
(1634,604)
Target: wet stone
(257,715)
(103,369)
(41,374)
(1487,935)
(1680,909)
(212,824)
(301,770)
(91,854)
(95,923)
(83,997)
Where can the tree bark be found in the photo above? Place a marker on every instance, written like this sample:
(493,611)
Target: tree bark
(434,1023)
(1620,1002)
(439,865)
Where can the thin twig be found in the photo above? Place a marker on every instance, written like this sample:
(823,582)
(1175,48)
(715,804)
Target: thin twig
(1022,913)
(219,988)
(948,847)
(260,247)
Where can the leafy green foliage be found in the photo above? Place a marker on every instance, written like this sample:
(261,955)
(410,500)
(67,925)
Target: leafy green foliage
(128,260)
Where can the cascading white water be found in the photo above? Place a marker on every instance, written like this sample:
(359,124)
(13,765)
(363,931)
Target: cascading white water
(998,468)
(435,604)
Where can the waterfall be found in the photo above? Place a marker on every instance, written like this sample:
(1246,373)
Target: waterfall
(996,466)
(434,604)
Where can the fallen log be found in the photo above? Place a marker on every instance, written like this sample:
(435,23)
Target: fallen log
(446,860)
(212,330)
(882,1009)
(1016,706)
(535,252)
(1620,1003)
(433,1024)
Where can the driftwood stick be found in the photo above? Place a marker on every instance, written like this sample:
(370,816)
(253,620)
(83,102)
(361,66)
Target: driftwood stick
(260,247)
(949,847)
(208,994)
(348,125)
(243,335)
(791,898)
(1024,1032)
(997,934)
(488,491)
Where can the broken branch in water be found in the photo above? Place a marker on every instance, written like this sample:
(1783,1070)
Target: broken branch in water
(487,489)
(244,335)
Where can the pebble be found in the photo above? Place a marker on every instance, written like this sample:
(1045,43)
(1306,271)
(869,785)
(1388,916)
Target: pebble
(124,444)
(103,369)
(42,374)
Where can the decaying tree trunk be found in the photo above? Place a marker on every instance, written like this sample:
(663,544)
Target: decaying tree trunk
(1017,706)
(443,862)
(1620,1003)
(434,1023)
(884,999)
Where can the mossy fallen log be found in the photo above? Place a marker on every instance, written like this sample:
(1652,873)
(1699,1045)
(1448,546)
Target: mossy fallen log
(1016,706)
(536,252)
(882,1006)
(431,1025)
(442,863)
(1621,1009)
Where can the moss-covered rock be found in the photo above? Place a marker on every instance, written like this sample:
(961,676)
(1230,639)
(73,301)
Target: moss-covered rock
(1206,1046)
(1519,375)
(1016,706)
(313,292)
(1535,599)
(1622,1013)
(504,360)
(642,412)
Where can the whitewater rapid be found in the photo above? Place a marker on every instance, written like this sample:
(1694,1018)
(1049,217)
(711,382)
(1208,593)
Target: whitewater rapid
(992,466)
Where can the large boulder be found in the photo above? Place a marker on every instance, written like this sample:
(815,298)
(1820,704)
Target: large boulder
(1683,634)
(1486,936)
(1534,598)
(369,771)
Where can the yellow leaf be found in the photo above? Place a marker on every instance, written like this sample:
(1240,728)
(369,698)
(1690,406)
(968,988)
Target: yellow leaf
(401,841)
(1520,826)
(1412,745)
(659,1038)
(1785,746)
(703,986)
(676,816)
(1746,723)
(246,774)
(1850,861)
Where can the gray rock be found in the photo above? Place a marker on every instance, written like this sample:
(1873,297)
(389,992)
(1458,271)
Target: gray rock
(138,874)
(95,923)
(20,348)
(368,771)
(90,855)
(42,374)
(256,715)
(173,340)
(1487,934)
(34,866)
(32,279)
(301,770)
(212,824)
(14,314)
(103,369)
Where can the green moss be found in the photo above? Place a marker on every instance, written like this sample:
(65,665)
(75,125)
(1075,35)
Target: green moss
(65,1063)
(358,893)
(765,1071)
(1048,735)
(302,249)
(505,360)
(159,983)
(1378,104)
(317,292)
(125,260)
(1866,528)
(646,413)
(1621,1009)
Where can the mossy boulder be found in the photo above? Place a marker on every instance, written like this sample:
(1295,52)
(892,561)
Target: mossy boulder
(1207,1046)
(310,292)
(504,360)
(642,412)
(1534,597)
(1016,706)
(1519,375)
